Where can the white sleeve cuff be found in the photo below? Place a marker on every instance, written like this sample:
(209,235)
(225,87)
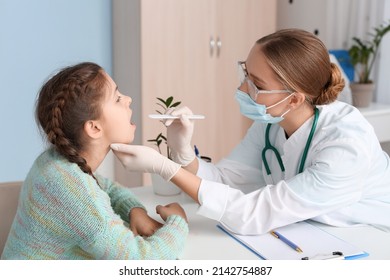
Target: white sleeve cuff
(213,198)
(207,170)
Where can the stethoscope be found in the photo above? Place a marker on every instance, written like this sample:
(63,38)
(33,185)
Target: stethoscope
(268,146)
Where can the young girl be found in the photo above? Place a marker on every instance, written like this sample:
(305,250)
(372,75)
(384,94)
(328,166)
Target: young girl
(66,211)
(306,156)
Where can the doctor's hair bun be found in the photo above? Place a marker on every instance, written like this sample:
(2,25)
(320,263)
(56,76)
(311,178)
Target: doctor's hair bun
(301,62)
(332,88)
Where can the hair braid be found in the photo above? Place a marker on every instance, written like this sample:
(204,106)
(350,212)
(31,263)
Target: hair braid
(65,103)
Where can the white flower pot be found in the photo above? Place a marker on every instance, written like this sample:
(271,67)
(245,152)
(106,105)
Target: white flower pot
(362,94)
(162,187)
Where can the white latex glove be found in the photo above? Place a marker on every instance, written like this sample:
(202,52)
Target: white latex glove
(145,159)
(179,135)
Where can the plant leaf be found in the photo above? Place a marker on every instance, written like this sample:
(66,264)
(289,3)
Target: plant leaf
(363,53)
(175,104)
(169,101)
(161,100)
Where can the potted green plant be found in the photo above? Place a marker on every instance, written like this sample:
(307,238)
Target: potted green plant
(164,104)
(363,54)
(160,186)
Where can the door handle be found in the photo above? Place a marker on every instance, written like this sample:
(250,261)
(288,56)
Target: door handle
(219,46)
(211,45)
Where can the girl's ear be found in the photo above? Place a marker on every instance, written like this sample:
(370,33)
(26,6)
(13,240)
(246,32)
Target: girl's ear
(93,129)
(297,99)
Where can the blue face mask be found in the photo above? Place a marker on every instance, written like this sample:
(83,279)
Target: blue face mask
(255,111)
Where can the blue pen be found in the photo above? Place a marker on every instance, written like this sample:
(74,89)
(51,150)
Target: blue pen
(196,151)
(286,241)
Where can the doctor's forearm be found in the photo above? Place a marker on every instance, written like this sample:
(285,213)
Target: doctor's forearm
(193,166)
(188,182)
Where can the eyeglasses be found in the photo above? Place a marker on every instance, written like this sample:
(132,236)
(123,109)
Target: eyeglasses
(252,88)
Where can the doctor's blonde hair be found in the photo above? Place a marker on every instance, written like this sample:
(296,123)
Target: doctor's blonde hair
(301,62)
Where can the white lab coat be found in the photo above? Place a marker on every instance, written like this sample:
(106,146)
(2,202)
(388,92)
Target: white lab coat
(345,182)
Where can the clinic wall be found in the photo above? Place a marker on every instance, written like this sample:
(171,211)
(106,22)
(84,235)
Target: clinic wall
(336,22)
(36,39)
(383,91)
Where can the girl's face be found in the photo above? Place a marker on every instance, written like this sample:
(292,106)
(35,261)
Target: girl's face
(116,115)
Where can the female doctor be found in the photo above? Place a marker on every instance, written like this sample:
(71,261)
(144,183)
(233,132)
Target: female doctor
(306,156)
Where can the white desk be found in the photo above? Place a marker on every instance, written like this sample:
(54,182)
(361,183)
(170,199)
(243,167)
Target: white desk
(207,242)
(378,115)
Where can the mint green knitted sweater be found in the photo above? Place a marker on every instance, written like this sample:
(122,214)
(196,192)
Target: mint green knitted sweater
(64,214)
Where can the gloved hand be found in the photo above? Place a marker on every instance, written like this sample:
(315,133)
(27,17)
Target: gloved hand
(179,134)
(145,159)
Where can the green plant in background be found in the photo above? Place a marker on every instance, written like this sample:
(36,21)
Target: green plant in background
(363,53)
(165,105)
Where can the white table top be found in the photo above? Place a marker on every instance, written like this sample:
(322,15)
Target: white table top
(375,109)
(378,115)
(207,242)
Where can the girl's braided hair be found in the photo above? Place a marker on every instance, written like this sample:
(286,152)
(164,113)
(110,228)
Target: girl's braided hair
(65,103)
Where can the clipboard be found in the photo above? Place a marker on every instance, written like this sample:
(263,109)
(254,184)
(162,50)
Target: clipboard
(316,244)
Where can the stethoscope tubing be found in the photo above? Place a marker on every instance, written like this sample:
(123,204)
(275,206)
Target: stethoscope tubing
(268,146)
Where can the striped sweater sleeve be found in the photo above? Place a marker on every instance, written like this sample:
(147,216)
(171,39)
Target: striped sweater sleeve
(116,241)
(122,199)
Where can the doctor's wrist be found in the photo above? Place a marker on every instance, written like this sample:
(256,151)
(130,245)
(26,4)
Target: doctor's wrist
(168,169)
(183,158)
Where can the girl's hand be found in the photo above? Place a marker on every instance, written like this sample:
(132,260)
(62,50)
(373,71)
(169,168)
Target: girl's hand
(171,209)
(142,224)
